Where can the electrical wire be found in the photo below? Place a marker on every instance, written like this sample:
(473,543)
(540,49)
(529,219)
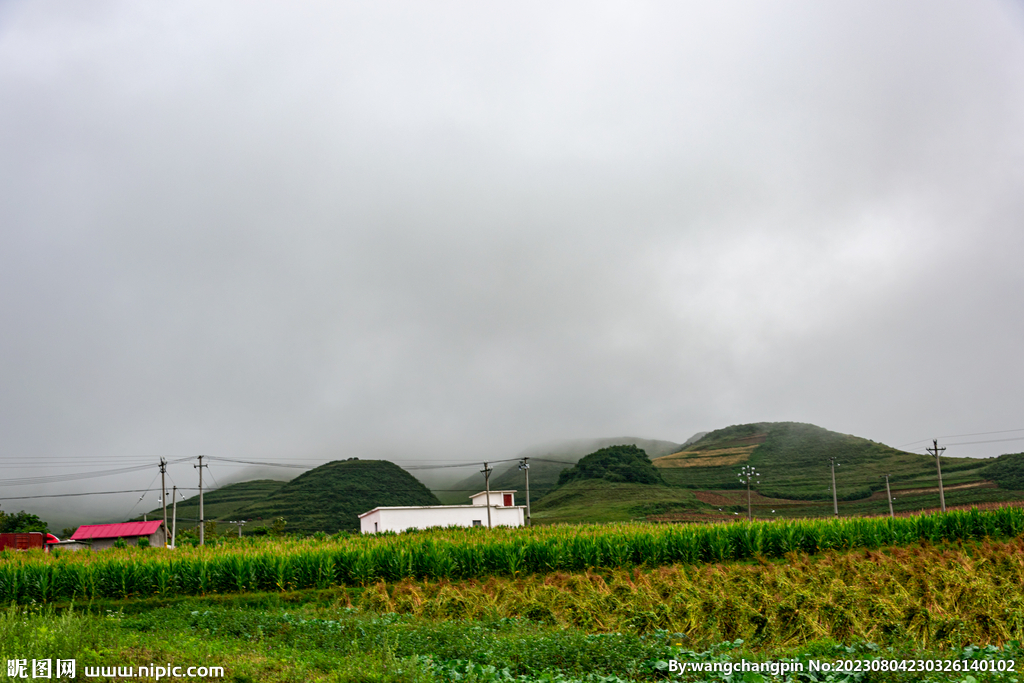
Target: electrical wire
(150,488)
(265,464)
(957,436)
(91,493)
(968,443)
(77,476)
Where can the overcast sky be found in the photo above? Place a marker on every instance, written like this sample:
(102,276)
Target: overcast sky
(452,230)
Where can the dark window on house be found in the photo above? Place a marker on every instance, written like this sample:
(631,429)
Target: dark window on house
(478,522)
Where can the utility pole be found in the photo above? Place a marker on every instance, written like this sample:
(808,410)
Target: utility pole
(487,487)
(888,495)
(524,465)
(240,524)
(202,522)
(174,515)
(747,474)
(835,498)
(163,494)
(936,451)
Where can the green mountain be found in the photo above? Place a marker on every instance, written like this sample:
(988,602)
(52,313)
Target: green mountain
(793,460)
(331,497)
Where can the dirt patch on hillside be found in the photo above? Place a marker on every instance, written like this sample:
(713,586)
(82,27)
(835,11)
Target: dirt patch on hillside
(739,497)
(880,495)
(716,498)
(719,457)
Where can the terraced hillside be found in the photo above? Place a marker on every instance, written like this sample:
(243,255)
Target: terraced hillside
(793,459)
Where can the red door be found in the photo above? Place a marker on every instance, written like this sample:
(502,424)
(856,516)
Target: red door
(506,499)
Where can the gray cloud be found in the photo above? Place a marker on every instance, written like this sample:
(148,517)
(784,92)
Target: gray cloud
(439,232)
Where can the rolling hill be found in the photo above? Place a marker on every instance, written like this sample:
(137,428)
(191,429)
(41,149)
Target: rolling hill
(331,497)
(793,460)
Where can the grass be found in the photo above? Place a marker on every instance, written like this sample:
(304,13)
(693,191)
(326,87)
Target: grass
(599,501)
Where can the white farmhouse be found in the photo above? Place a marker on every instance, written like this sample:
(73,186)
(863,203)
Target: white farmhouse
(504,512)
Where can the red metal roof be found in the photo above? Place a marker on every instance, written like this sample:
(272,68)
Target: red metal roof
(123,530)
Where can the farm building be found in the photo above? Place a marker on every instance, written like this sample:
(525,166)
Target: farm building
(105,535)
(504,512)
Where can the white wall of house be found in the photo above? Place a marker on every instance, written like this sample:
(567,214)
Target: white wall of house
(424,517)
(156,540)
(503,498)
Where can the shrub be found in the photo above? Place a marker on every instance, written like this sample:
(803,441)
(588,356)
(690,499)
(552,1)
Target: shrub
(615,464)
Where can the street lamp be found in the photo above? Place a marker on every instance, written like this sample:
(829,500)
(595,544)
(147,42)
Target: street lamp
(749,473)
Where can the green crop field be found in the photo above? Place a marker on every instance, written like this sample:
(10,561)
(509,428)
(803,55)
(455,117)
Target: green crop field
(617,602)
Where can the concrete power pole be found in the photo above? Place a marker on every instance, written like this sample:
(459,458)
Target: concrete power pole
(163,494)
(487,487)
(202,522)
(524,465)
(835,498)
(888,496)
(174,514)
(936,451)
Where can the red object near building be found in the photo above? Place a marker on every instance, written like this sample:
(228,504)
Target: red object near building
(22,541)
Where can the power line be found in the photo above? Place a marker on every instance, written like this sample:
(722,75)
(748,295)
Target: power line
(57,478)
(141,497)
(264,464)
(968,443)
(957,436)
(468,464)
(72,495)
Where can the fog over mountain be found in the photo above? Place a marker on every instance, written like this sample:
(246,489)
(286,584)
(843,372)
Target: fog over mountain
(446,232)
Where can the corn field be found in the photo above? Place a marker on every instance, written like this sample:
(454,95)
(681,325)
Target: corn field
(280,565)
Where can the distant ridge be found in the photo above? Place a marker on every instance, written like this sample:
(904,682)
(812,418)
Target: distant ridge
(547,462)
